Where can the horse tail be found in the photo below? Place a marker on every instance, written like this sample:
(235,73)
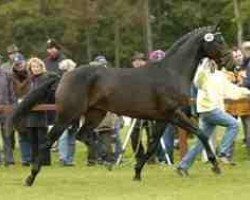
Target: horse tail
(42,94)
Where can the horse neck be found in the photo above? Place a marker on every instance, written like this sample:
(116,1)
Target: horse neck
(184,61)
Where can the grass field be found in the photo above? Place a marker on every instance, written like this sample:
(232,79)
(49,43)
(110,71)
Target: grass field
(159,182)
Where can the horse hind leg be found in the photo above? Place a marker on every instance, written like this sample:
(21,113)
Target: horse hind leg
(61,124)
(181,120)
(157,131)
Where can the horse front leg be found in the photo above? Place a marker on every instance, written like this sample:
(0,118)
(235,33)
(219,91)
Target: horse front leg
(38,152)
(152,146)
(181,120)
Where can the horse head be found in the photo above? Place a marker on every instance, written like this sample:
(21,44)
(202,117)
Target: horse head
(214,46)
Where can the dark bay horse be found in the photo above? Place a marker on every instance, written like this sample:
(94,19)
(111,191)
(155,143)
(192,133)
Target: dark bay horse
(156,92)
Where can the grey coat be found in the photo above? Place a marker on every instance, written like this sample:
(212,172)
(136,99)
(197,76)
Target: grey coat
(7,95)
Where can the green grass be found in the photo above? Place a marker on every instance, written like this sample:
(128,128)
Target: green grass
(159,182)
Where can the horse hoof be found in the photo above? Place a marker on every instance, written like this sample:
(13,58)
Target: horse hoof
(109,166)
(216,170)
(29,181)
(137,178)
(182,172)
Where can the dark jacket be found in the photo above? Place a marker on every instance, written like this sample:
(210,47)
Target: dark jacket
(21,83)
(246,66)
(37,118)
(52,64)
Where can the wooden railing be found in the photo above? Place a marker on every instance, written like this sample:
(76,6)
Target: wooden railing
(239,107)
(41,107)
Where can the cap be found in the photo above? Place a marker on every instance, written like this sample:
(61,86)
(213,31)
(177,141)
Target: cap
(138,56)
(18,59)
(12,49)
(52,43)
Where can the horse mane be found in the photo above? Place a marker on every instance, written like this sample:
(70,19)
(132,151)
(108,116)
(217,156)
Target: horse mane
(184,38)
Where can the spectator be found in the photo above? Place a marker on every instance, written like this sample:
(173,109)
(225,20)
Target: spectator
(12,50)
(54,57)
(106,137)
(90,138)
(99,61)
(7,97)
(139,60)
(37,121)
(245,74)
(212,88)
(1,60)
(157,55)
(169,132)
(66,142)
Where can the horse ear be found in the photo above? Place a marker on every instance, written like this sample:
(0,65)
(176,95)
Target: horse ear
(216,27)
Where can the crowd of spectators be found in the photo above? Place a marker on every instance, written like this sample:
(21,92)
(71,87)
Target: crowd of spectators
(19,76)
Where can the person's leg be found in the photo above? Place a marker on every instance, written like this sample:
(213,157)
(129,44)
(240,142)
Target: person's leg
(25,147)
(117,140)
(34,143)
(71,146)
(63,147)
(42,139)
(224,119)
(168,138)
(246,130)
(208,129)
(1,159)
(212,142)
(107,146)
(7,146)
(137,146)
(150,128)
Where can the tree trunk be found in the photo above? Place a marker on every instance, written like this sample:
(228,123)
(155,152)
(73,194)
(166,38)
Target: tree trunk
(89,45)
(238,22)
(44,6)
(148,30)
(117,43)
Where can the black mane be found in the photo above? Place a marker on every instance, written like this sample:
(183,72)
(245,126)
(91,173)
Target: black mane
(184,38)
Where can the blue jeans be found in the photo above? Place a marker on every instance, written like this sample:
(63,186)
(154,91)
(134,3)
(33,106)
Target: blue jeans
(246,128)
(168,138)
(117,140)
(66,147)
(208,121)
(25,147)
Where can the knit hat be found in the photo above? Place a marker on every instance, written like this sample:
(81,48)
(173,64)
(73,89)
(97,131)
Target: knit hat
(101,60)
(156,55)
(67,65)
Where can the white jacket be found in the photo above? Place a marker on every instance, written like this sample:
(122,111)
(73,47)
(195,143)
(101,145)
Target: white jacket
(214,87)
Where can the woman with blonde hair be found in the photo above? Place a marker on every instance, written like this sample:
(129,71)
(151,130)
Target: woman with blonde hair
(37,121)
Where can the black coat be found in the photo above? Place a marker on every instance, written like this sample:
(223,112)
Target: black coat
(52,64)
(37,118)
